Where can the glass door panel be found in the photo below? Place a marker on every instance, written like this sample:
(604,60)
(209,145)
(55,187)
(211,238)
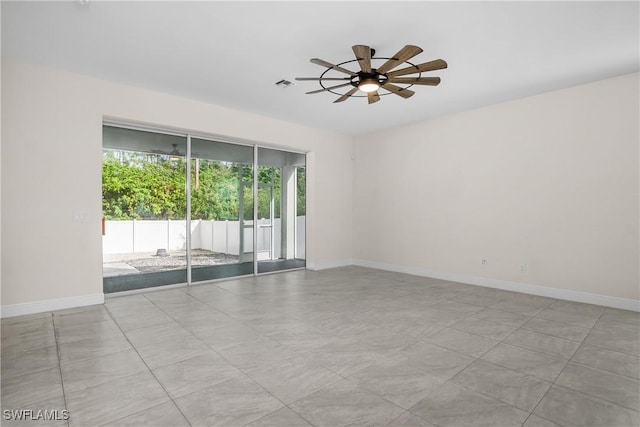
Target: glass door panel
(246,213)
(144,209)
(281,221)
(301,212)
(221,210)
(266,229)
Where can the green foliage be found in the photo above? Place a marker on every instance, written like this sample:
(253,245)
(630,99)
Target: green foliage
(214,191)
(301,186)
(151,186)
(136,185)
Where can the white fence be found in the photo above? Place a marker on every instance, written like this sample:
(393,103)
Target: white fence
(218,236)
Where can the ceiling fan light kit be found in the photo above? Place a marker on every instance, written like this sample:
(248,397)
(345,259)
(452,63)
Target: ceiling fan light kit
(369,80)
(369,83)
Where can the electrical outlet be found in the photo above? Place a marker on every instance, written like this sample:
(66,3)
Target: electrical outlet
(523,268)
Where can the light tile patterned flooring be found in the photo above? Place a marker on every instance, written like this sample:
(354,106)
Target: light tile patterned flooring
(348,346)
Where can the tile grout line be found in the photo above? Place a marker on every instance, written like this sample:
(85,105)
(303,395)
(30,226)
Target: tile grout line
(352,383)
(221,356)
(612,350)
(149,369)
(495,398)
(541,333)
(571,361)
(510,369)
(604,370)
(261,305)
(552,383)
(64,393)
(430,373)
(558,323)
(513,370)
(498,341)
(560,373)
(597,398)
(298,354)
(478,358)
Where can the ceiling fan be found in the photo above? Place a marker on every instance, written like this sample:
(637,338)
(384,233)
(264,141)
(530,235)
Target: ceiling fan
(174,153)
(369,79)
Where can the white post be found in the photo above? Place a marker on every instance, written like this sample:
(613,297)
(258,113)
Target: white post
(288,211)
(226,236)
(168,234)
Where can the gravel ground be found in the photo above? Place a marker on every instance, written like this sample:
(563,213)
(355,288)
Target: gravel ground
(149,262)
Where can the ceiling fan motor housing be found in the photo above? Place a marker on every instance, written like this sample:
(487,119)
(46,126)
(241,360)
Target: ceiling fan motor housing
(372,77)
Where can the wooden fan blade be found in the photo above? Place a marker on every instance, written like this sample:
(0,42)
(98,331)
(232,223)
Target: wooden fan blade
(363,55)
(405,93)
(330,65)
(346,95)
(373,97)
(304,79)
(437,64)
(404,54)
(327,88)
(430,81)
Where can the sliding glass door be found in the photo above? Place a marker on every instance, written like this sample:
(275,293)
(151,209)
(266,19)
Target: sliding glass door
(180,209)
(281,223)
(144,209)
(221,210)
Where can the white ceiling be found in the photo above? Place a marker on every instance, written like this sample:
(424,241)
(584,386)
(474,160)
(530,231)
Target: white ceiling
(232,53)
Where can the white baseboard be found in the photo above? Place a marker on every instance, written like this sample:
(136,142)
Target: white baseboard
(50,305)
(316,266)
(577,296)
(564,294)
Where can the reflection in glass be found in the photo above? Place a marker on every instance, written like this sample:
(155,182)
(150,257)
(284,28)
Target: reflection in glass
(281,210)
(221,210)
(144,209)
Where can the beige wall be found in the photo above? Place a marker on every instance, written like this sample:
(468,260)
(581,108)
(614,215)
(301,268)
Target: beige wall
(549,181)
(51,163)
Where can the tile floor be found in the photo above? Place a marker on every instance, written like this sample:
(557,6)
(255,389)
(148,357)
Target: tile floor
(348,346)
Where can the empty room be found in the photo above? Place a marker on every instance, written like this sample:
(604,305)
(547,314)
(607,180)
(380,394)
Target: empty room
(368,213)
